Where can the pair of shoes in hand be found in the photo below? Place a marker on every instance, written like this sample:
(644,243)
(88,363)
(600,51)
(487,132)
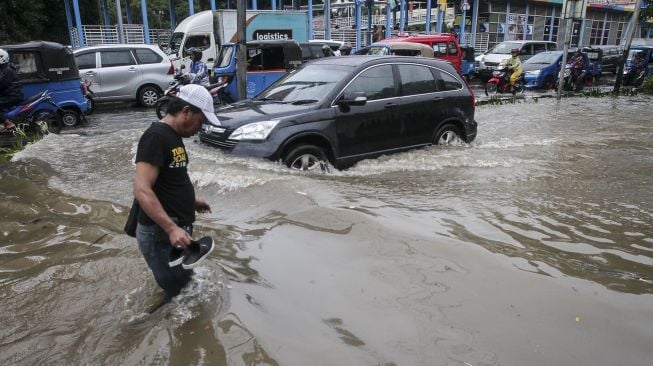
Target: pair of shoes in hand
(194,253)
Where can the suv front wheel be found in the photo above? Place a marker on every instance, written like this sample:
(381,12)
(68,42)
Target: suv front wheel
(148,95)
(307,158)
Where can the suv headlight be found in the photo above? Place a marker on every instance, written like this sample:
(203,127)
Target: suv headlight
(533,72)
(254,131)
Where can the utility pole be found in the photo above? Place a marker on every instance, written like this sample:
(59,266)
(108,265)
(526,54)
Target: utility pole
(241,55)
(629,39)
(119,19)
(571,10)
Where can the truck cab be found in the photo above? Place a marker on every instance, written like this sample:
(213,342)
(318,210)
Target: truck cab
(209,30)
(194,31)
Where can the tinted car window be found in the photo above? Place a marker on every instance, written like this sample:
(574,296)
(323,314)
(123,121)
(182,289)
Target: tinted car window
(416,80)
(85,60)
(452,49)
(447,82)
(145,56)
(116,58)
(539,47)
(376,82)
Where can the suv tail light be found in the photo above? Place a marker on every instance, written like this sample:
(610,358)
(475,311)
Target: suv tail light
(471,92)
(171,70)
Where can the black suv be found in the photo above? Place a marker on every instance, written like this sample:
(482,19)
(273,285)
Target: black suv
(346,109)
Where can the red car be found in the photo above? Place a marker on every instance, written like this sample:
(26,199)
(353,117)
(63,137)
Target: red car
(445,46)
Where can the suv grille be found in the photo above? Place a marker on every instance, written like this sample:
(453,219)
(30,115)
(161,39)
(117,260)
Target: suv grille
(218,138)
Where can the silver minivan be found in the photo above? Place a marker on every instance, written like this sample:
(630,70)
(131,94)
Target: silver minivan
(125,72)
(488,61)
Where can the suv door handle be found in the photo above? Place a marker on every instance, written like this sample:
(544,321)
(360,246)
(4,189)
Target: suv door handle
(90,73)
(389,105)
(131,69)
(437,99)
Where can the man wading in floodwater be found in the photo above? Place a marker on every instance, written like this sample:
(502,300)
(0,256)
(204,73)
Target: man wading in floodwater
(163,188)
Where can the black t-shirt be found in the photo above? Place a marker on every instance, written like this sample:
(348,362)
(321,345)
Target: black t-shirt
(10,89)
(161,146)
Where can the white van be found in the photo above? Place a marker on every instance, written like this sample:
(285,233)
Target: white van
(208,30)
(488,61)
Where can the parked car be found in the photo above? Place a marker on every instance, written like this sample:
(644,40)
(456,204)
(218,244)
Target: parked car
(609,57)
(334,45)
(445,46)
(346,109)
(487,62)
(400,49)
(542,70)
(50,66)
(133,72)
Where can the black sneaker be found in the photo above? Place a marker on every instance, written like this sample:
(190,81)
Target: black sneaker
(197,251)
(176,257)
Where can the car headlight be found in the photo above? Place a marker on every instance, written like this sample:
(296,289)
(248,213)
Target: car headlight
(533,72)
(254,131)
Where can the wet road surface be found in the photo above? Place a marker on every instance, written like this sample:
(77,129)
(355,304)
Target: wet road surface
(531,246)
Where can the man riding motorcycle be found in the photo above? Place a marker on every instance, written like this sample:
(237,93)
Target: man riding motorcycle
(198,72)
(514,64)
(577,64)
(11,93)
(639,61)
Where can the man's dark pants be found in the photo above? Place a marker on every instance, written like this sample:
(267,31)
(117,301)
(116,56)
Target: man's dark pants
(154,244)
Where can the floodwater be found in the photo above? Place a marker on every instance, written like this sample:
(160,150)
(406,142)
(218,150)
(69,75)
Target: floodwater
(531,246)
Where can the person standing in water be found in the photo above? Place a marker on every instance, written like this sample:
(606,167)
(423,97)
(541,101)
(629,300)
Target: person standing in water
(163,188)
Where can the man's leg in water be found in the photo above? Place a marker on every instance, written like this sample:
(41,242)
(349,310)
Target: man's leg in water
(153,244)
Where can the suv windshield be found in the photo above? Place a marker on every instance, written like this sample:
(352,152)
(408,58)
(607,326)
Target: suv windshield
(175,43)
(505,47)
(311,82)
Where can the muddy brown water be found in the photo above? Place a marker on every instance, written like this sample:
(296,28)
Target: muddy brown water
(531,246)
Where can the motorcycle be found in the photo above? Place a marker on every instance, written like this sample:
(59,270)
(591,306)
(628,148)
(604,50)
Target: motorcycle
(500,83)
(180,79)
(32,115)
(576,81)
(633,75)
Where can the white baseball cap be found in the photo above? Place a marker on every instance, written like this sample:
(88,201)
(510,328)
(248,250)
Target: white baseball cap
(199,97)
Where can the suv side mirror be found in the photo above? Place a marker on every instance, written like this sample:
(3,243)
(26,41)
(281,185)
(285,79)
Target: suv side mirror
(353,98)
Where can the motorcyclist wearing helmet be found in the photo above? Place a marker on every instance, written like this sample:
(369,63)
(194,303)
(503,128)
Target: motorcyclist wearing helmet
(345,49)
(514,65)
(577,64)
(198,72)
(639,60)
(327,51)
(10,91)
